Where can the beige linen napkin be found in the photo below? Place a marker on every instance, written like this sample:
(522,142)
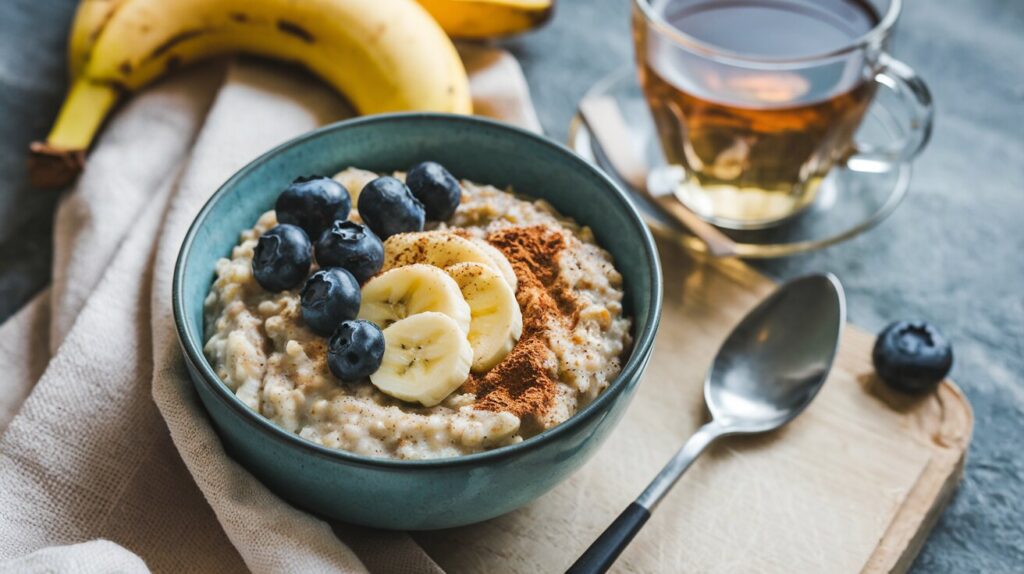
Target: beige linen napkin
(90,478)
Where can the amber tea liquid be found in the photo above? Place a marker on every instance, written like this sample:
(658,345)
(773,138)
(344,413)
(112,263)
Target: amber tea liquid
(755,141)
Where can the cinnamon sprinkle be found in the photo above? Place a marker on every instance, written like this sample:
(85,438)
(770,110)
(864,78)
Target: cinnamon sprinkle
(523,383)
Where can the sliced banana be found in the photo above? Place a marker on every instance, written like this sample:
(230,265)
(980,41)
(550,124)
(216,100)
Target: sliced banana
(405,291)
(497,322)
(501,262)
(354,180)
(426,357)
(441,249)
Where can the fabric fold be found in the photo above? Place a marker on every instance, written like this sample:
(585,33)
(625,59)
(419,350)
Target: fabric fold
(24,353)
(230,138)
(138,153)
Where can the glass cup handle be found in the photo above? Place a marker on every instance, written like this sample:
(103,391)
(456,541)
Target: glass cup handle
(916,100)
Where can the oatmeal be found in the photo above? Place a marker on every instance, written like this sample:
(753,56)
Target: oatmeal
(556,344)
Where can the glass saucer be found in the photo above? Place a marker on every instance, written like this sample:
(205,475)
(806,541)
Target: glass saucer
(848,203)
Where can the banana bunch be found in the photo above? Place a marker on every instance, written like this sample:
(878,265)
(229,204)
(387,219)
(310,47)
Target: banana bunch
(446,308)
(461,19)
(383,55)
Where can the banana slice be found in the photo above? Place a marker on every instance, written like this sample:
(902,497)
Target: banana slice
(426,357)
(442,249)
(405,291)
(502,264)
(497,322)
(354,180)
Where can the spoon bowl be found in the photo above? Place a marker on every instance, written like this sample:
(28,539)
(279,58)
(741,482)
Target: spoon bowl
(774,362)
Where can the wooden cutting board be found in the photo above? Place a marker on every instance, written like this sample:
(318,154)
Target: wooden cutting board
(852,485)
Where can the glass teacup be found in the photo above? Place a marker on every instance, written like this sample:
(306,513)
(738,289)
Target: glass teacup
(756,100)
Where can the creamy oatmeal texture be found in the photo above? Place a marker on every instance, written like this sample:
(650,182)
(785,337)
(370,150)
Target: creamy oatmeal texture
(574,339)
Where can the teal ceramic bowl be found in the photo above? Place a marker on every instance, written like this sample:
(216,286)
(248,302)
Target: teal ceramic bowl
(433,493)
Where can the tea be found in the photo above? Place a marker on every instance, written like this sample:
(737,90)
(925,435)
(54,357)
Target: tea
(755,139)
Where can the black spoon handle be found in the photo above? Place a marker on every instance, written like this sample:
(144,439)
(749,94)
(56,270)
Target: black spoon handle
(603,552)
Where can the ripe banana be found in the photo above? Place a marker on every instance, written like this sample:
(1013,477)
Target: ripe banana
(384,55)
(406,291)
(496,322)
(459,18)
(426,357)
(476,19)
(90,19)
(442,249)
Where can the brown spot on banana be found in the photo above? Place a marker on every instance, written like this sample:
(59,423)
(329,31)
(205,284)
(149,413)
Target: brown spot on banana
(240,17)
(294,29)
(378,32)
(94,34)
(125,68)
(173,41)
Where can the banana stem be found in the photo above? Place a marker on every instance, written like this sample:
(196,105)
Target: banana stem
(84,110)
(58,160)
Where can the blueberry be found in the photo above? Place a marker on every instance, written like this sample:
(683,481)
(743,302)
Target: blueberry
(313,203)
(912,356)
(330,297)
(436,188)
(352,246)
(355,350)
(388,207)
(282,258)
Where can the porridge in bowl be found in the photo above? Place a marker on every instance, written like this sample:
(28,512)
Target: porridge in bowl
(413,316)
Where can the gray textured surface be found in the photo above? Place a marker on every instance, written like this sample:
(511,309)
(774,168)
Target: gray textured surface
(951,254)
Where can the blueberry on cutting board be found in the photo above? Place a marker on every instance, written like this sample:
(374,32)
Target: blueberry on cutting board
(355,350)
(352,246)
(330,297)
(282,258)
(912,356)
(388,207)
(436,188)
(313,203)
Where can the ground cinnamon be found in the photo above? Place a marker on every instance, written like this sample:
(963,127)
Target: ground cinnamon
(522,383)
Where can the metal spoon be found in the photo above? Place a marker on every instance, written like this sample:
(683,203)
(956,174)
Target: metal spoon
(766,373)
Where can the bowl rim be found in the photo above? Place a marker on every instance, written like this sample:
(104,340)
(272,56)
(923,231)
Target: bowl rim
(635,364)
